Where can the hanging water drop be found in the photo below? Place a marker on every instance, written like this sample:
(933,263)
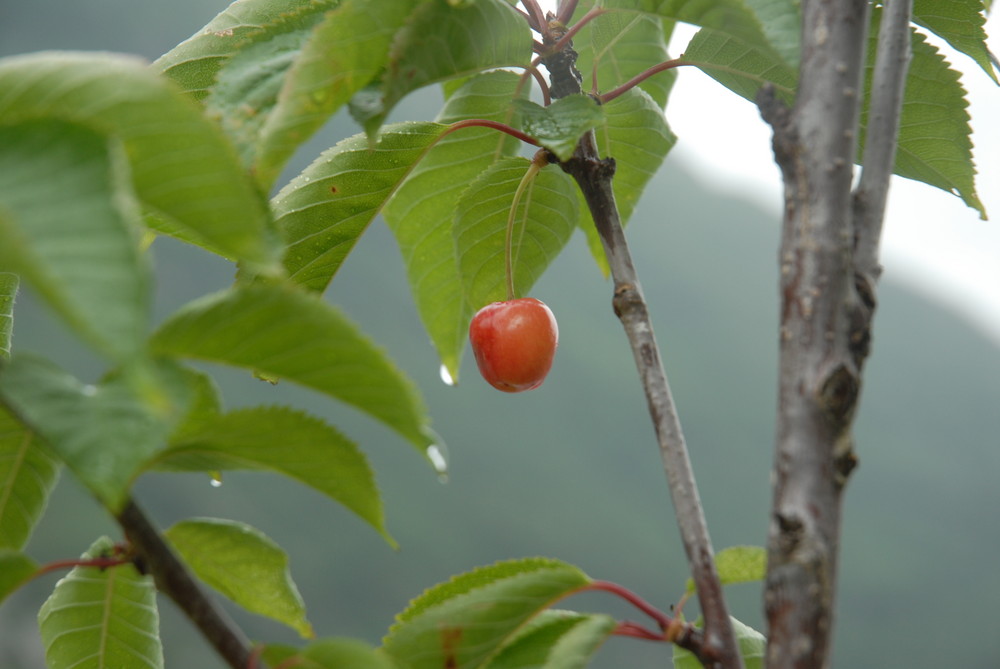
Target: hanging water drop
(216,479)
(446,376)
(437,454)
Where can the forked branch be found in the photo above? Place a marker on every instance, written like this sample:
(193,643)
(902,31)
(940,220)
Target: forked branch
(594,175)
(828,256)
(174,580)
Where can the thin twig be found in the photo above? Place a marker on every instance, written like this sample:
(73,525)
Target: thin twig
(888,82)
(594,177)
(173,579)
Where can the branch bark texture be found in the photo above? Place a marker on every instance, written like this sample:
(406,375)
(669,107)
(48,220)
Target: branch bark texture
(173,579)
(594,176)
(828,269)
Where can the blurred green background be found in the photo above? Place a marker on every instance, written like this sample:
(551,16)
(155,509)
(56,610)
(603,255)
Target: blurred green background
(571,470)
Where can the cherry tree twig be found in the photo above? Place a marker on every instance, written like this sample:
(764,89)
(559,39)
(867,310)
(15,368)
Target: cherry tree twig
(828,256)
(889,80)
(174,580)
(594,175)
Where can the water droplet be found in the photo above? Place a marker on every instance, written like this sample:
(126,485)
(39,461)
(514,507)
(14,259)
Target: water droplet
(446,376)
(437,454)
(216,480)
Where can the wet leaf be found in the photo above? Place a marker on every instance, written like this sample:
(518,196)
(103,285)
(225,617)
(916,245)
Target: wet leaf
(244,565)
(98,618)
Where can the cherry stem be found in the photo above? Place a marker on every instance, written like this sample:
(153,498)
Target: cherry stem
(641,77)
(540,160)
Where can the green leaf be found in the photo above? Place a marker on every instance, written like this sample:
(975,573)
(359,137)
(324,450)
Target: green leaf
(545,218)
(781,23)
(287,333)
(329,654)
(247,87)
(555,639)
(465,622)
(104,432)
(98,618)
(184,172)
(636,135)
(442,40)
(342,55)
(560,125)
(311,452)
(961,24)
(195,63)
(934,134)
(276,76)
(325,209)
(621,45)
(8,291)
(935,140)
(739,66)
(204,407)
(244,565)
(58,182)
(753,648)
(734,18)
(738,564)
(420,214)
(27,475)
(15,570)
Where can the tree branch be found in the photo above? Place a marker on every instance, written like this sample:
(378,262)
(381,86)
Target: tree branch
(891,64)
(173,579)
(826,306)
(594,175)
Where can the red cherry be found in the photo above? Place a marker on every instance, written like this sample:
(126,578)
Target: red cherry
(514,343)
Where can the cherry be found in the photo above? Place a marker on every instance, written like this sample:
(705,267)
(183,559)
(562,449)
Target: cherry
(514,343)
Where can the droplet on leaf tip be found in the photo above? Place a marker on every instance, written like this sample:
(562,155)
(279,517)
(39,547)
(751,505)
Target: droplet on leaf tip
(446,376)
(439,461)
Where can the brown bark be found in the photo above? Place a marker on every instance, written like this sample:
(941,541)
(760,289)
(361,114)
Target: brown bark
(828,269)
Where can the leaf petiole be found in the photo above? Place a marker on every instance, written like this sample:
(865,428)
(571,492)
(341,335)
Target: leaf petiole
(641,77)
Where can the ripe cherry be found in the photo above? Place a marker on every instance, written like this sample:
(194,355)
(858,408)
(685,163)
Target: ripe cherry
(514,343)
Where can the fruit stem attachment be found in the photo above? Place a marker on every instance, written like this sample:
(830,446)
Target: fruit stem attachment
(540,160)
